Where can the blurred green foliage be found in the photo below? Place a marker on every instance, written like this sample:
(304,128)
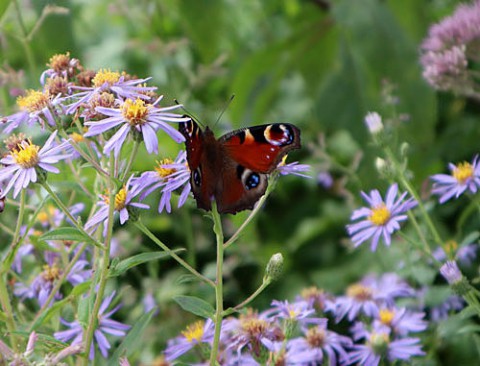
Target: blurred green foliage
(318,64)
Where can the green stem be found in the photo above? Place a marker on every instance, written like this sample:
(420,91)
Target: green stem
(249,299)
(133,154)
(217,228)
(24,39)
(157,241)
(21,212)
(104,268)
(65,210)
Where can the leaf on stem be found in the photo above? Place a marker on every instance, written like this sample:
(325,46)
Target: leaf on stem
(195,306)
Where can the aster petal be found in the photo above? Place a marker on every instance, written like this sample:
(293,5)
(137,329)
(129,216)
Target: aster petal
(117,140)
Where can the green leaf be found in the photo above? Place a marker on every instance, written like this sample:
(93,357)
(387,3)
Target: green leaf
(3,7)
(132,340)
(49,312)
(81,288)
(195,306)
(123,266)
(69,233)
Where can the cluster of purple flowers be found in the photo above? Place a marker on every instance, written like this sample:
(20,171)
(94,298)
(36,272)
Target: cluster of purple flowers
(449,51)
(307,330)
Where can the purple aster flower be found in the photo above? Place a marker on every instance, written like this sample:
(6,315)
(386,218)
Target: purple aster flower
(294,168)
(169,176)
(381,219)
(440,312)
(325,179)
(106,325)
(61,65)
(20,166)
(316,344)
(465,255)
(380,346)
(106,80)
(400,321)
(35,107)
(451,272)
(196,333)
(136,116)
(300,312)
(463,177)
(123,202)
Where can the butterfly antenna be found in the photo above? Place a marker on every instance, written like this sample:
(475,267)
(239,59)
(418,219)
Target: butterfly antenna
(224,109)
(188,113)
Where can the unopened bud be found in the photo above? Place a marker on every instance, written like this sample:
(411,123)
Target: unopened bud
(274,267)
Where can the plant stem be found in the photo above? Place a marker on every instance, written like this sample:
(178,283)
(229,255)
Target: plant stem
(157,241)
(249,299)
(133,154)
(104,268)
(217,228)
(65,210)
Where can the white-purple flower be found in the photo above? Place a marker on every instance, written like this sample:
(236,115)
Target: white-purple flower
(294,168)
(137,116)
(464,177)
(20,167)
(123,202)
(373,122)
(451,272)
(381,219)
(106,325)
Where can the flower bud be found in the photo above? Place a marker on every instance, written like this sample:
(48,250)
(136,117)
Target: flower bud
(274,268)
(374,122)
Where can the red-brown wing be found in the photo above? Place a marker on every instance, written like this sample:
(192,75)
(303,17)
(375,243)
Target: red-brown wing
(261,148)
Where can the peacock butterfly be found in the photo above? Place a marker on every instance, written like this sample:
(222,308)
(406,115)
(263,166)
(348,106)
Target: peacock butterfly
(234,169)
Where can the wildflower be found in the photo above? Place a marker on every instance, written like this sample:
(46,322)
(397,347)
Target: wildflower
(20,167)
(106,325)
(35,107)
(441,311)
(380,346)
(136,116)
(294,168)
(168,175)
(448,49)
(316,344)
(123,203)
(196,333)
(374,122)
(451,272)
(400,321)
(61,65)
(106,80)
(466,254)
(464,177)
(382,218)
(325,179)
(296,311)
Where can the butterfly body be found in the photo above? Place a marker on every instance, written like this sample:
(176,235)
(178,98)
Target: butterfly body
(233,170)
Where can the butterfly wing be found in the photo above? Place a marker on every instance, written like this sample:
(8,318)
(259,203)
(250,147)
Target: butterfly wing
(261,148)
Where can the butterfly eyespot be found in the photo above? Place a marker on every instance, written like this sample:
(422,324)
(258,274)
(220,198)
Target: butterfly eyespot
(197,177)
(252,181)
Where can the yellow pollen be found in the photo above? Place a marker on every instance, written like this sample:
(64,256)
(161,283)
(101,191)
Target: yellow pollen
(194,332)
(135,112)
(42,217)
(450,247)
(120,198)
(254,326)
(386,316)
(162,171)
(462,172)
(105,76)
(33,100)
(359,292)
(26,155)
(77,137)
(292,313)
(59,61)
(380,215)
(51,273)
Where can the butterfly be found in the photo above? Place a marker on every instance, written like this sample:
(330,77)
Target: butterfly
(233,170)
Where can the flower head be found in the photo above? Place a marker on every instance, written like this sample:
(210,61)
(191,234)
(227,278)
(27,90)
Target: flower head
(196,333)
(374,122)
(20,166)
(381,219)
(464,176)
(135,115)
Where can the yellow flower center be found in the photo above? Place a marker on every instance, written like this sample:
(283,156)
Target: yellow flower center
(379,340)
(194,332)
(462,172)
(77,137)
(450,247)
(292,313)
(45,215)
(254,326)
(51,273)
(26,155)
(135,112)
(120,198)
(105,76)
(380,215)
(162,171)
(359,292)
(33,100)
(386,316)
